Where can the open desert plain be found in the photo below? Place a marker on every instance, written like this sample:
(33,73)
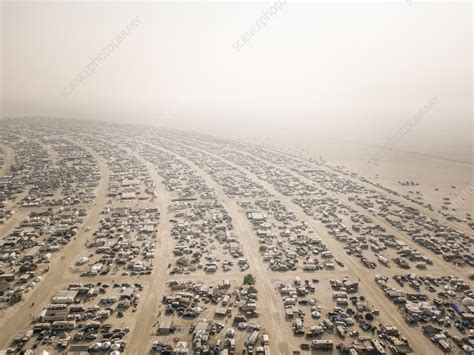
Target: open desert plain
(236,177)
(136,239)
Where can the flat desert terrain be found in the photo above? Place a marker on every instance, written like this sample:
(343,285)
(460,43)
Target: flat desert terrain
(133,239)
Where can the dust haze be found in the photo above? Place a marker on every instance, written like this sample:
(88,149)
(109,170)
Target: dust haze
(348,70)
(236,178)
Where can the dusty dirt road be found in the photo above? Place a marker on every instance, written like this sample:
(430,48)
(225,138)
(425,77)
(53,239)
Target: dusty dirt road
(17,318)
(374,295)
(141,336)
(433,214)
(9,159)
(270,306)
(438,262)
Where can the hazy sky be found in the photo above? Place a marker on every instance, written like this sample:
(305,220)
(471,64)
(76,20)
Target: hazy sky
(348,70)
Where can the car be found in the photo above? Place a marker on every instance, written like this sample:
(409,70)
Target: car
(304,346)
(90,336)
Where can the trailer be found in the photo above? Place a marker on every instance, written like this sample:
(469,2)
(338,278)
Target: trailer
(322,344)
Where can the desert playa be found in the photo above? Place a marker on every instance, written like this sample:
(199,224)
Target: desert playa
(150,240)
(236,178)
